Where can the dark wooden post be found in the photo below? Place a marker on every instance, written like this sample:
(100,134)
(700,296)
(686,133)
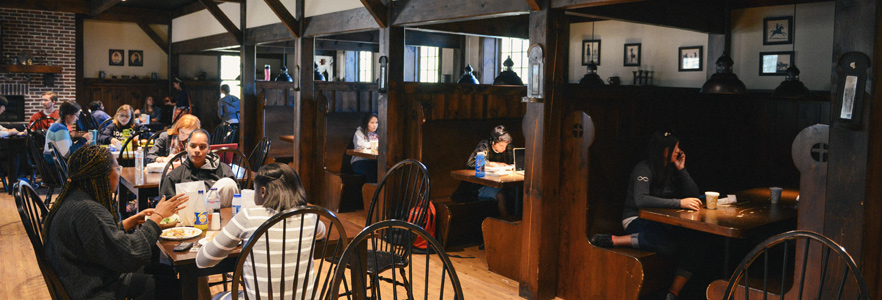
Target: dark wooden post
(250,118)
(306,141)
(389,107)
(539,252)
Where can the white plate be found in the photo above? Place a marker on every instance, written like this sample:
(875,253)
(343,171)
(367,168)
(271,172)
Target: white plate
(185,233)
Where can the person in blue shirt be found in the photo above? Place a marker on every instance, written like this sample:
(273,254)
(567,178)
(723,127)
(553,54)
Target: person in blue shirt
(98,112)
(58,132)
(228,106)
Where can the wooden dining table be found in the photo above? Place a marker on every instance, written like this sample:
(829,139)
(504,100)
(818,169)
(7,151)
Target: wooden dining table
(15,148)
(185,262)
(142,184)
(362,153)
(511,180)
(287,138)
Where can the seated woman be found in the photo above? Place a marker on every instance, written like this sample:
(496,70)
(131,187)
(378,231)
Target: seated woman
(661,181)
(171,142)
(58,132)
(497,153)
(112,134)
(202,164)
(88,246)
(366,138)
(277,189)
(150,108)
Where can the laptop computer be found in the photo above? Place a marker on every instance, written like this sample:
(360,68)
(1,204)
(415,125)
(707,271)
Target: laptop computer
(519,154)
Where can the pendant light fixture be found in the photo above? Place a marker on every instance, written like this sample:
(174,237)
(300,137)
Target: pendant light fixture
(791,87)
(591,78)
(467,76)
(724,81)
(508,76)
(283,75)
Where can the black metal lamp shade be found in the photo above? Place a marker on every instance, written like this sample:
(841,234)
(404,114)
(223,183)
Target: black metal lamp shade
(791,87)
(317,76)
(724,81)
(591,78)
(283,76)
(467,76)
(508,77)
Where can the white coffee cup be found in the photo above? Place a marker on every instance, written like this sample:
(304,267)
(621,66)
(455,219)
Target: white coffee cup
(775,194)
(215,221)
(711,199)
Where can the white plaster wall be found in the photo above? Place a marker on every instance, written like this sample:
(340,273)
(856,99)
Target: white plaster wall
(321,7)
(813,37)
(191,65)
(202,23)
(101,36)
(659,52)
(447,63)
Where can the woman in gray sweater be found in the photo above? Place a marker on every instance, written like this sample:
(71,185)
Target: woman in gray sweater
(661,181)
(87,245)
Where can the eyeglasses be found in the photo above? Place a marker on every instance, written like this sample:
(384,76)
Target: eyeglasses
(118,169)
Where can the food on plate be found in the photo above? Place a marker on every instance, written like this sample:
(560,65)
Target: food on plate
(183,232)
(171,220)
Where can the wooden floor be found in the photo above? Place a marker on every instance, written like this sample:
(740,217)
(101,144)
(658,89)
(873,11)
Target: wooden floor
(21,279)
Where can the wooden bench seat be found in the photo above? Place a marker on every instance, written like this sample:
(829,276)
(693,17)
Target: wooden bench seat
(503,255)
(342,187)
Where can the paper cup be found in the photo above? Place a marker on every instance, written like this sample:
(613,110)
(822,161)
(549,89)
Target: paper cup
(775,194)
(711,198)
(732,199)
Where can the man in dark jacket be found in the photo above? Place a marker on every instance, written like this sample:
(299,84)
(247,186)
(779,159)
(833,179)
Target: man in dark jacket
(201,164)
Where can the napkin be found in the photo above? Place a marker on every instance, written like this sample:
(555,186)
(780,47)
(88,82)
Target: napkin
(725,201)
(191,189)
(155,167)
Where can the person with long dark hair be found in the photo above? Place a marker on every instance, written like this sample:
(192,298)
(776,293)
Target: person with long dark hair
(277,189)
(88,245)
(366,138)
(660,181)
(58,132)
(113,133)
(151,109)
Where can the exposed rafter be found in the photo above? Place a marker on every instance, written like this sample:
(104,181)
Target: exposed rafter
(424,12)
(99,6)
(133,14)
(534,5)
(223,19)
(285,16)
(378,10)
(154,36)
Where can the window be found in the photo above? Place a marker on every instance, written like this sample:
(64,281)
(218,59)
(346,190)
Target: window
(517,50)
(230,68)
(365,66)
(428,64)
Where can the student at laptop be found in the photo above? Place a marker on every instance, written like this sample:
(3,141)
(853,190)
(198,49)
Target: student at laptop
(497,153)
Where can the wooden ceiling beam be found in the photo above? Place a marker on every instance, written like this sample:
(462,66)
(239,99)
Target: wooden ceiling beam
(346,21)
(511,26)
(212,42)
(99,6)
(378,10)
(134,14)
(187,9)
(534,5)
(424,12)
(572,4)
(695,15)
(223,19)
(154,36)
(346,46)
(285,16)
(71,6)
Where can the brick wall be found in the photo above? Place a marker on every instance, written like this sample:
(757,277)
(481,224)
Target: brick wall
(37,32)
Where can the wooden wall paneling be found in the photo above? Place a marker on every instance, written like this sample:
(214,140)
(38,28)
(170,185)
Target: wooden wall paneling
(308,157)
(872,261)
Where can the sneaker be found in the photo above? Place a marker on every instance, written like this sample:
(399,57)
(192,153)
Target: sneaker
(602,240)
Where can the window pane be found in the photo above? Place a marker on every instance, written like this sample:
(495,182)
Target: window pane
(517,50)
(230,67)
(365,66)
(428,64)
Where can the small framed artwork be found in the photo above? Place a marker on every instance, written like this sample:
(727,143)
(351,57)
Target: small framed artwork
(632,55)
(116,57)
(590,52)
(136,58)
(775,63)
(691,59)
(778,30)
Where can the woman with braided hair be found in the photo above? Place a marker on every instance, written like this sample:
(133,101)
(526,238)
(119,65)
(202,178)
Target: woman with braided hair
(87,245)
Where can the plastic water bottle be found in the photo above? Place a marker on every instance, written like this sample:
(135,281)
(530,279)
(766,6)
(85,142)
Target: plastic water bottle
(139,160)
(237,203)
(200,209)
(213,200)
(479,164)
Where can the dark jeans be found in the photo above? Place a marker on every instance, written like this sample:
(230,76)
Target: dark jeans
(366,167)
(153,281)
(688,246)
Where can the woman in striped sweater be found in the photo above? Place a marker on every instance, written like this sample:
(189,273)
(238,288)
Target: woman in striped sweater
(277,189)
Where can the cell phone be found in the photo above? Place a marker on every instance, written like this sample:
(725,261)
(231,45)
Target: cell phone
(183,247)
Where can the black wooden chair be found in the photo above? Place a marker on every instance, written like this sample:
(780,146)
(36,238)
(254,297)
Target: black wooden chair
(127,158)
(225,133)
(171,164)
(397,236)
(48,178)
(88,121)
(293,234)
(60,163)
(151,141)
(32,211)
(104,124)
(40,120)
(849,282)
(239,163)
(259,154)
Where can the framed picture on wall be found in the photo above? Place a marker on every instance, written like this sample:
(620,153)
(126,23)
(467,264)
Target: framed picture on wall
(116,57)
(778,30)
(690,59)
(590,52)
(632,55)
(136,58)
(775,63)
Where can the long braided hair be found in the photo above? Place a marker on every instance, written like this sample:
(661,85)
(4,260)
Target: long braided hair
(89,166)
